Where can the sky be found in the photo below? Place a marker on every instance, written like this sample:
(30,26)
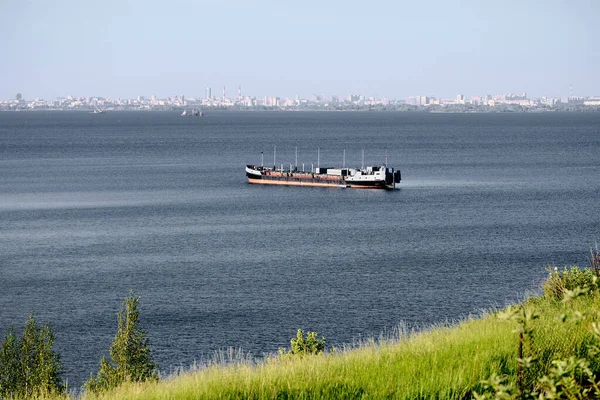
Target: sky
(393,49)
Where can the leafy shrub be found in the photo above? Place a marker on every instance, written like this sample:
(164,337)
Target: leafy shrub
(130,353)
(569,279)
(594,260)
(29,367)
(568,377)
(304,346)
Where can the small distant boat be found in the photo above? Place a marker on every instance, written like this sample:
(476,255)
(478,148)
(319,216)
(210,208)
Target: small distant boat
(193,113)
(97,110)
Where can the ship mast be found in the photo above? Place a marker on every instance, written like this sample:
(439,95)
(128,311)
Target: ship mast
(363,159)
(274,152)
(318,157)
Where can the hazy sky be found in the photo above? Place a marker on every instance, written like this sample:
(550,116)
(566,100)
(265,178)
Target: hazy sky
(120,48)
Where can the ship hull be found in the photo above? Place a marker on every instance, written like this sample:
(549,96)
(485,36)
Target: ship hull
(294,182)
(368,185)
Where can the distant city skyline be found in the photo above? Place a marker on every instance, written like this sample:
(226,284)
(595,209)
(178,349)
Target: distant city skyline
(239,94)
(509,102)
(210,92)
(124,49)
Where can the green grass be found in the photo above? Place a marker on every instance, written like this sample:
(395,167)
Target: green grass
(444,362)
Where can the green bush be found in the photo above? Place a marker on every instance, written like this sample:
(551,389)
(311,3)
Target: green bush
(563,371)
(304,346)
(130,353)
(569,279)
(29,367)
(561,283)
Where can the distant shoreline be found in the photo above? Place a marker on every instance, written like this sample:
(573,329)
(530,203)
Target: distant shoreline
(425,110)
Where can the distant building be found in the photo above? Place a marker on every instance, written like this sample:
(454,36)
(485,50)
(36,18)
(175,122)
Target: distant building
(412,101)
(548,101)
(512,96)
(592,101)
(289,103)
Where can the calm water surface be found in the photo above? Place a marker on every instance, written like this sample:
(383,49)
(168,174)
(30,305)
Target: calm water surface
(92,206)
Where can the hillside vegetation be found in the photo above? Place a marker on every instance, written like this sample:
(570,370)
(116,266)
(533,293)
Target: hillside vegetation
(546,347)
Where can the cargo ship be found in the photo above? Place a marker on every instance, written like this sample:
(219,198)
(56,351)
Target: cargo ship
(373,177)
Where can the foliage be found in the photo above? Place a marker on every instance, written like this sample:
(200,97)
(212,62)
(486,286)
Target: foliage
(546,347)
(131,360)
(569,377)
(443,362)
(594,260)
(569,279)
(303,346)
(29,367)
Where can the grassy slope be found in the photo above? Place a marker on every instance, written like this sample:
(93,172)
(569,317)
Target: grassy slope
(441,363)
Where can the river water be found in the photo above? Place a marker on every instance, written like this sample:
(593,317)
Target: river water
(94,205)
